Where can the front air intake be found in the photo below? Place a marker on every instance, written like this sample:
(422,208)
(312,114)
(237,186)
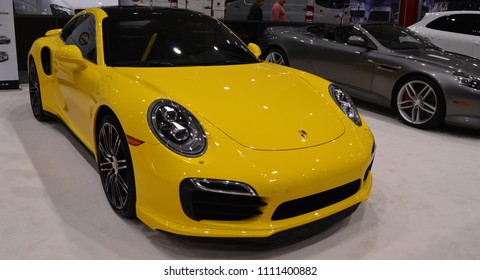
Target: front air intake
(314,202)
(207,199)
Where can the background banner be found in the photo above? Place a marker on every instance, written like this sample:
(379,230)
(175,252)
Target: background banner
(374,11)
(8,51)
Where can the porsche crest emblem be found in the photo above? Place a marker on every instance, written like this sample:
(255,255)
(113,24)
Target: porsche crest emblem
(303,133)
(84,39)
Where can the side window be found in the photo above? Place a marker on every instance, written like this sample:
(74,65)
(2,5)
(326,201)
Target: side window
(81,32)
(440,24)
(476,26)
(455,23)
(342,34)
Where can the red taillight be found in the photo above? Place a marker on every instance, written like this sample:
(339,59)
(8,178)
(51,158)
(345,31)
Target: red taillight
(173,3)
(309,14)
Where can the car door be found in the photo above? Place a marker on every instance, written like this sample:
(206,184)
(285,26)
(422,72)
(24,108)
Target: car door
(77,84)
(338,58)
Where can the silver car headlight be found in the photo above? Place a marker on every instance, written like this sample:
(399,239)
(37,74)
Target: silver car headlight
(467,80)
(177,128)
(345,103)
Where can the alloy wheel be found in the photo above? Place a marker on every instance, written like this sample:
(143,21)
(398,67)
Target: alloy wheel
(113,165)
(275,56)
(417,102)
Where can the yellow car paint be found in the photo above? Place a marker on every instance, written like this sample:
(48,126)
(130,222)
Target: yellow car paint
(274,128)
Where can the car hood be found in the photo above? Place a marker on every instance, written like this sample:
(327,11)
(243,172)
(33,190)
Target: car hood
(444,59)
(261,106)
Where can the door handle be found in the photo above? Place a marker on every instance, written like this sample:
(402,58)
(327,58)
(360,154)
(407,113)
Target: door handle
(389,68)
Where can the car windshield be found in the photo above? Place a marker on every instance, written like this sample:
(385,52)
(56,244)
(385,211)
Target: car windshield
(171,38)
(397,38)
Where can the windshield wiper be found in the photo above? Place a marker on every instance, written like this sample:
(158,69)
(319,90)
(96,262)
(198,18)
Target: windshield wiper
(432,47)
(143,64)
(229,62)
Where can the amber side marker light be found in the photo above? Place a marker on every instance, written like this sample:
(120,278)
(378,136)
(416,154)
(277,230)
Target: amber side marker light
(134,141)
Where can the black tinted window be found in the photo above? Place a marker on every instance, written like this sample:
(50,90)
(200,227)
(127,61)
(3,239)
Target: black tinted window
(333,4)
(172,38)
(81,32)
(463,23)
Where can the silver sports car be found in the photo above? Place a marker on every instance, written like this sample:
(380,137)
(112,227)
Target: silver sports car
(385,64)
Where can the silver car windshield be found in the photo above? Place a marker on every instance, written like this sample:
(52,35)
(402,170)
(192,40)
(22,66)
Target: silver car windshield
(396,37)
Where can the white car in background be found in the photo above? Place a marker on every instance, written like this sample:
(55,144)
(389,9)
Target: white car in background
(454,31)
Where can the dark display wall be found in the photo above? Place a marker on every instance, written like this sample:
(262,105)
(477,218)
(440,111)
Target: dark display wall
(29,28)
(405,12)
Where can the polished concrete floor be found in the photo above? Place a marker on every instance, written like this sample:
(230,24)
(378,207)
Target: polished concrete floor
(425,202)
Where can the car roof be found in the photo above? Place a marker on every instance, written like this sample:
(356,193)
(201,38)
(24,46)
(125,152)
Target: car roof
(443,13)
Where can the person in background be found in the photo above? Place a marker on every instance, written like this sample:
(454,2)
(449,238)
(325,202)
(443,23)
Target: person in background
(278,12)
(256,12)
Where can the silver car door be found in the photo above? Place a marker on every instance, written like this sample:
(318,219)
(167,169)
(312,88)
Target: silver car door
(339,58)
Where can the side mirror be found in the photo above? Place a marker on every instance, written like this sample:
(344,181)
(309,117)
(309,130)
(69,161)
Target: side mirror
(71,54)
(356,41)
(255,49)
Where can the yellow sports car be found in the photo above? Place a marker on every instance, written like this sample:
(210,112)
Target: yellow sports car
(192,133)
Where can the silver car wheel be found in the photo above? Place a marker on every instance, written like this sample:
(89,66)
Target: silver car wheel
(275,57)
(417,102)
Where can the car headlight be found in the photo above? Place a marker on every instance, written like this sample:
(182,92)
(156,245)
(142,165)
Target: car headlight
(177,128)
(467,80)
(345,103)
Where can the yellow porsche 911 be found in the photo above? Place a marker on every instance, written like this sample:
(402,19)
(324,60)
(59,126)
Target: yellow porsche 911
(192,133)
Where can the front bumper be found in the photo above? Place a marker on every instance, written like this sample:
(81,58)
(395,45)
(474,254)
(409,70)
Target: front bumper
(463,106)
(292,186)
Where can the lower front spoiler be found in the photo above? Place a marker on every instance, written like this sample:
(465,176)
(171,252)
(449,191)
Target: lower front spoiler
(312,228)
(282,237)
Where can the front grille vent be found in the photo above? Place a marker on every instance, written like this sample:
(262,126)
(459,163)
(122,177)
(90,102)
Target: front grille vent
(205,199)
(314,202)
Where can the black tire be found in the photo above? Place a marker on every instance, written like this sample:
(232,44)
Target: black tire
(35,93)
(419,102)
(115,166)
(277,56)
